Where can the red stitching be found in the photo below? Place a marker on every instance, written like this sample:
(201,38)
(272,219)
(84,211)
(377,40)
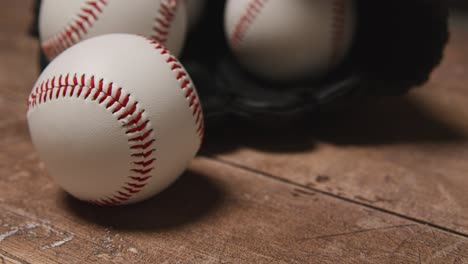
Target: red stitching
(145,163)
(139,134)
(89,14)
(252,11)
(75,30)
(136,185)
(186,86)
(338,28)
(142,172)
(124,194)
(120,198)
(143,146)
(131,190)
(141,138)
(140,179)
(255,7)
(163,21)
(143,154)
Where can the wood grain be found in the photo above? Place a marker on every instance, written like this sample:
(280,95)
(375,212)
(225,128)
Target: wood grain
(213,214)
(404,155)
(322,196)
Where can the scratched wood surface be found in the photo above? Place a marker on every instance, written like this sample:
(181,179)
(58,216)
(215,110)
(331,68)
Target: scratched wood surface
(383,184)
(405,155)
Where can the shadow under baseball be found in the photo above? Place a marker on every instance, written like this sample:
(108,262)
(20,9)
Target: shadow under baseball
(189,199)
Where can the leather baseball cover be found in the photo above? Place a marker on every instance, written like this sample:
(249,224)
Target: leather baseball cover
(398,44)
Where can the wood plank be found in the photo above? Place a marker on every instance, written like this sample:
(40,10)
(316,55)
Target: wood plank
(407,155)
(213,214)
(18,67)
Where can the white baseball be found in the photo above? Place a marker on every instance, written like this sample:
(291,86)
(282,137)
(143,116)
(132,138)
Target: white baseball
(285,40)
(65,23)
(116,119)
(194,11)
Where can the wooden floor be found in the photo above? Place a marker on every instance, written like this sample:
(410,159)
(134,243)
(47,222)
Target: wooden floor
(385,183)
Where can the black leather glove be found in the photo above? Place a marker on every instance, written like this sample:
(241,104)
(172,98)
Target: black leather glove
(398,44)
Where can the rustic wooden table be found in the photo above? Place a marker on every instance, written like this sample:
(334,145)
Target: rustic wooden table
(387,183)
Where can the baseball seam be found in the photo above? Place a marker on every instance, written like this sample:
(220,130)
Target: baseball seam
(75,29)
(254,8)
(338,29)
(166,14)
(89,14)
(186,86)
(137,127)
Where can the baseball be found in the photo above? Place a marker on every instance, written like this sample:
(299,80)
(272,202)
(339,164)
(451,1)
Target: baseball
(65,23)
(286,40)
(116,119)
(194,11)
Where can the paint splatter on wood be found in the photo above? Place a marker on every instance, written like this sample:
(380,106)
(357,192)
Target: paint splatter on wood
(59,243)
